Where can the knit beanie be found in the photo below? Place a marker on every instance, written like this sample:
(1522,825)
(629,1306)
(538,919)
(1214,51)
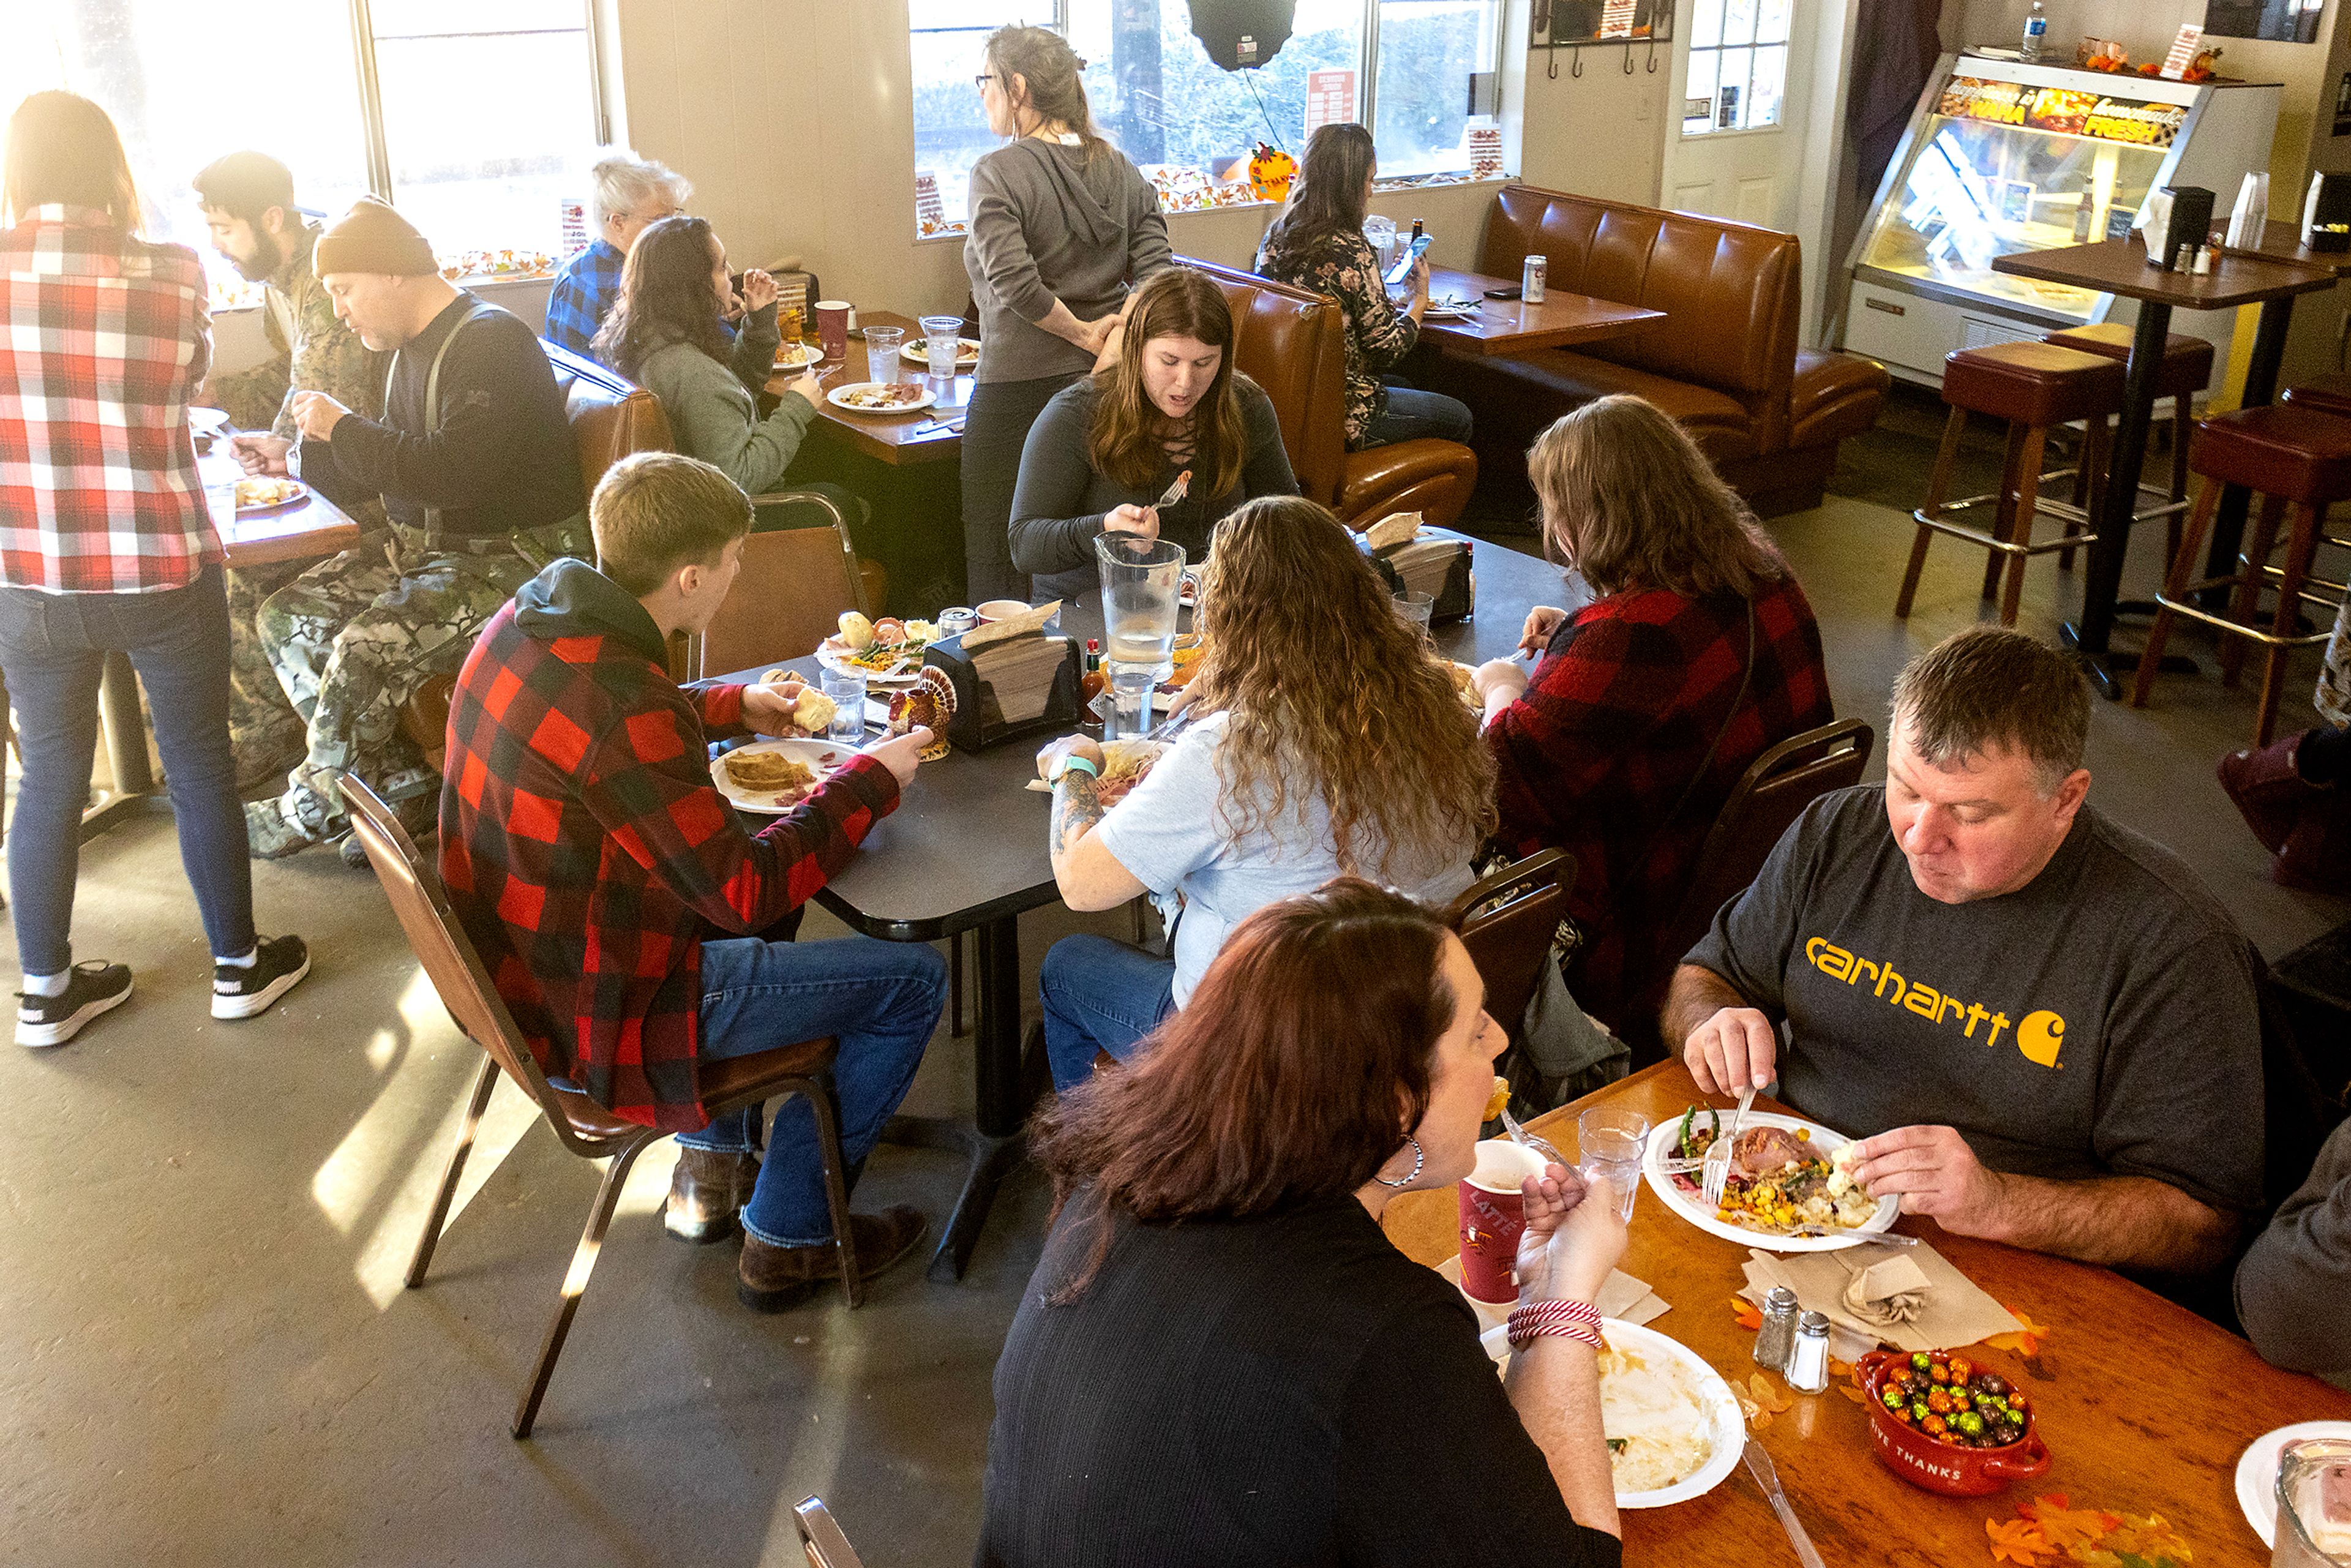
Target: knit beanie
(371,238)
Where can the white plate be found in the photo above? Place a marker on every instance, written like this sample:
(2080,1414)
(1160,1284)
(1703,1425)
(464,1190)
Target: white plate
(1729,1432)
(2257,1471)
(786,362)
(840,398)
(909,670)
(295,491)
(824,756)
(966,354)
(1692,1207)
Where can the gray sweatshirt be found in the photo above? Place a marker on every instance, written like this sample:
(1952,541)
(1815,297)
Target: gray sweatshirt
(1047,224)
(1061,498)
(2294,1288)
(712,414)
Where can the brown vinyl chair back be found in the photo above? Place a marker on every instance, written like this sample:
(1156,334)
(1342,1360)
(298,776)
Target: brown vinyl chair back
(787,598)
(1507,921)
(456,969)
(1765,802)
(1294,345)
(611,416)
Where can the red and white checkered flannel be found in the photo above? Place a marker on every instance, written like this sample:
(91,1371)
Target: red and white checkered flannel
(107,336)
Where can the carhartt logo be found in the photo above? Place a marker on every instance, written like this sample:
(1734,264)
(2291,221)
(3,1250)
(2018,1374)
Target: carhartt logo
(2039,1037)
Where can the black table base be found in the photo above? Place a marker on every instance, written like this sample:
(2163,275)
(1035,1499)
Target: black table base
(989,1159)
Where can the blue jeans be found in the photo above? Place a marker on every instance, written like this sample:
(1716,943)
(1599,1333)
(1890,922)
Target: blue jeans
(53,648)
(881,999)
(1100,995)
(1415,415)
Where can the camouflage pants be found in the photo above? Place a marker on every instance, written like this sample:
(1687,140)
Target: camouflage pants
(355,636)
(264,731)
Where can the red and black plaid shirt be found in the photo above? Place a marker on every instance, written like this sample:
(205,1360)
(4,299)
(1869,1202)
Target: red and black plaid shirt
(588,853)
(107,335)
(1612,729)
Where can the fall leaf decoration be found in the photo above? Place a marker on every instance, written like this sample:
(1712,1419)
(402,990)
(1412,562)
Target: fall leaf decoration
(2017,1540)
(1750,1315)
(1760,1402)
(2050,1528)
(2025,1340)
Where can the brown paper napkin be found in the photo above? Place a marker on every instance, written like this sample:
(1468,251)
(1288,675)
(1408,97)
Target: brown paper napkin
(1951,1311)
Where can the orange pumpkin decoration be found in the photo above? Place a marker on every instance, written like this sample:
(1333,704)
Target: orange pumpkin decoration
(1270,170)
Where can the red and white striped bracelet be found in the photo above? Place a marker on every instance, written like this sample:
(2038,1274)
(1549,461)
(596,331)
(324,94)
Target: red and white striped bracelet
(1578,1320)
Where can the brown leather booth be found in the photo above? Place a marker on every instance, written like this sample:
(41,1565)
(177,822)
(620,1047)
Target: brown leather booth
(1293,344)
(610,417)
(1725,362)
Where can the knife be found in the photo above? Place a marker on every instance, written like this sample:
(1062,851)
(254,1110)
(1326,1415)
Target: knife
(1759,1465)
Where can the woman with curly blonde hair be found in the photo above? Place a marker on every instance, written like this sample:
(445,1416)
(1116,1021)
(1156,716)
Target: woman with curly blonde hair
(1330,742)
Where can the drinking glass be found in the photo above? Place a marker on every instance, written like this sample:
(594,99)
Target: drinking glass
(2313,1504)
(882,352)
(1609,1145)
(941,342)
(1416,609)
(847,690)
(1380,234)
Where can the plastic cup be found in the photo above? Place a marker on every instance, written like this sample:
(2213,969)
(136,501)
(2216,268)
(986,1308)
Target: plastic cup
(1493,1217)
(1609,1145)
(832,327)
(847,690)
(942,342)
(882,352)
(1416,608)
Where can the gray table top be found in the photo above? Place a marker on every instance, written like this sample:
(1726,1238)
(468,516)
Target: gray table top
(967,845)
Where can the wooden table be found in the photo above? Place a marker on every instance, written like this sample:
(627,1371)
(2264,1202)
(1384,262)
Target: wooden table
(1514,327)
(902,440)
(2145,1405)
(2119,266)
(966,850)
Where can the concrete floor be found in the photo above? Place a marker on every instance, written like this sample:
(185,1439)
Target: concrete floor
(206,1355)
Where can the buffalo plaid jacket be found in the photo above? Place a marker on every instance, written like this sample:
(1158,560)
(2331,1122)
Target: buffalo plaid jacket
(1612,729)
(587,854)
(107,335)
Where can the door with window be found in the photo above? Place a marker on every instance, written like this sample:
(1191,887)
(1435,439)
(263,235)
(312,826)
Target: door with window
(1738,106)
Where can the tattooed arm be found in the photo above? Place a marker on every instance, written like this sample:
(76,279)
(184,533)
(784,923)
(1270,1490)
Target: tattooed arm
(1090,876)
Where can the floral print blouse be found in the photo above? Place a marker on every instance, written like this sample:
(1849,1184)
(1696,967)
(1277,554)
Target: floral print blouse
(1379,332)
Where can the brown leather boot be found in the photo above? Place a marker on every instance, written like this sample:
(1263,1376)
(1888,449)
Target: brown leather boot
(2268,788)
(773,1279)
(706,1192)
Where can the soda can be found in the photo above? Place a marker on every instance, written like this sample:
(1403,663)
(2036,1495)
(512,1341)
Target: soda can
(1530,282)
(955,620)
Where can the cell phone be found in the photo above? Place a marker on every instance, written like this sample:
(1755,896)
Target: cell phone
(1511,293)
(1411,253)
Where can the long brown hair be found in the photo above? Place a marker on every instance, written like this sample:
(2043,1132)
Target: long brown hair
(1328,197)
(1289,1077)
(1330,692)
(1174,302)
(1629,499)
(63,148)
(1050,71)
(666,297)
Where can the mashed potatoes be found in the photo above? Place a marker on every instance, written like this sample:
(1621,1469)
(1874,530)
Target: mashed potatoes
(1657,1428)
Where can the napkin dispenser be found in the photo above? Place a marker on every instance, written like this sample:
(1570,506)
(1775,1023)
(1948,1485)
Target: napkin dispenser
(2327,214)
(1007,686)
(2189,222)
(1416,559)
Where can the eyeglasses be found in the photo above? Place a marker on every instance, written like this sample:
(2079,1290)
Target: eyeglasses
(982,79)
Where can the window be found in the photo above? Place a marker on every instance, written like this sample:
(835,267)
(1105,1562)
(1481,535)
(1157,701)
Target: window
(1738,65)
(185,83)
(1190,124)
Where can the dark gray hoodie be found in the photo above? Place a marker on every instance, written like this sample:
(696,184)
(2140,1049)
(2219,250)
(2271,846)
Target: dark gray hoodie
(1047,224)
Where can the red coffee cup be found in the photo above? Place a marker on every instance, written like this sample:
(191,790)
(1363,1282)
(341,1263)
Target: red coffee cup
(1493,1217)
(832,327)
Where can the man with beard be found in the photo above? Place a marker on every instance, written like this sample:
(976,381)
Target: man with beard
(248,204)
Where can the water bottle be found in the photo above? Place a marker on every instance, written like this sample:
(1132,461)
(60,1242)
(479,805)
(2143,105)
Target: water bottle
(2036,28)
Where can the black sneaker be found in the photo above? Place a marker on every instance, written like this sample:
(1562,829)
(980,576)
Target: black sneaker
(93,987)
(278,964)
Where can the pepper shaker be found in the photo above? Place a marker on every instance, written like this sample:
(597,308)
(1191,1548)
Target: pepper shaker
(1777,1337)
(1808,1362)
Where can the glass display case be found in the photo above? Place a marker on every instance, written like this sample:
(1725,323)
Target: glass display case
(2002,157)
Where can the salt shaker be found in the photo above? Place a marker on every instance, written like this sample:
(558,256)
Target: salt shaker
(1777,1337)
(1808,1362)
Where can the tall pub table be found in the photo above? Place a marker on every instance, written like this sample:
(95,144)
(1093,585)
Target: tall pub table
(2120,266)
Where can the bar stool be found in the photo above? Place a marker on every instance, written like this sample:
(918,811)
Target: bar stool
(2185,370)
(2032,386)
(2322,394)
(2299,462)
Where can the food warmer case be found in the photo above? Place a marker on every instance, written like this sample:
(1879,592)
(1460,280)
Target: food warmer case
(2002,157)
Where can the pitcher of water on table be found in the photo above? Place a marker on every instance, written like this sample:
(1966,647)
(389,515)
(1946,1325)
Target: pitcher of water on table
(1140,579)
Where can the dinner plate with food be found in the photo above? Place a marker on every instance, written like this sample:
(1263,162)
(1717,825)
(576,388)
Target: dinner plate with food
(798,356)
(887,652)
(1791,1187)
(266,493)
(1673,1428)
(1124,765)
(918,355)
(883,397)
(774,776)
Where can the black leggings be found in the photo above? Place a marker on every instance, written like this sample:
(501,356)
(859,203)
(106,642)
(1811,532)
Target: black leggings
(994,428)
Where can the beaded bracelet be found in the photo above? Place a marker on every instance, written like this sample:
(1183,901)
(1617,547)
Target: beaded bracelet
(1578,1320)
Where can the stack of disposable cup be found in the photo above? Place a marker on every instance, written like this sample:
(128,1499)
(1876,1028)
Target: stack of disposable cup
(2251,214)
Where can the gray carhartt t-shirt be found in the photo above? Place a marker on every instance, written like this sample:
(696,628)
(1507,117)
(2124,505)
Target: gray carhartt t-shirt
(2100,1021)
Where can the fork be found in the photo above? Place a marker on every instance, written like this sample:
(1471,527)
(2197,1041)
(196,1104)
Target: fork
(1521,1136)
(1718,1171)
(1175,492)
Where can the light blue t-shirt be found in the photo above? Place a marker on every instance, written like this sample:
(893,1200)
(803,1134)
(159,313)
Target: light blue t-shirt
(1172,834)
